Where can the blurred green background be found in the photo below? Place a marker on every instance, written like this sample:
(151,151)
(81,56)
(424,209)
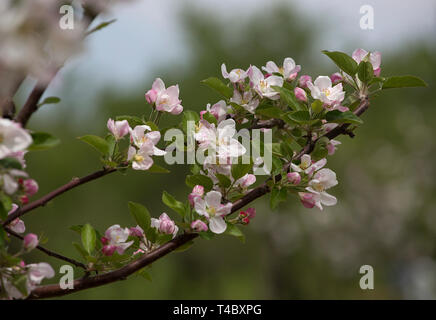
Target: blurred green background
(385,216)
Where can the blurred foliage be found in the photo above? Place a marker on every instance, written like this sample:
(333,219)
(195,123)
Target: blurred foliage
(385,216)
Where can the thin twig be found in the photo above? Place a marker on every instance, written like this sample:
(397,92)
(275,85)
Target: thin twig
(49,252)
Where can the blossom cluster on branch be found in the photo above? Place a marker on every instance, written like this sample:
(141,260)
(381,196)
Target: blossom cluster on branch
(288,119)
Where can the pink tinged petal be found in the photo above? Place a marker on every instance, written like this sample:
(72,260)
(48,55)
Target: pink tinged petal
(108,250)
(359,54)
(217,225)
(377,72)
(120,248)
(39,271)
(151,96)
(304,80)
(177,109)
(18,226)
(158,85)
(300,94)
(213,199)
(198,190)
(375,59)
(30,187)
(307,199)
(224,71)
(336,77)
(224,209)
(158,152)
(30,241)
(323,82)
(295,167)
(294,177)
(154,136)
(131,153)
(251,213)
(327,199)
(199,226)
(9,184)
(200,207)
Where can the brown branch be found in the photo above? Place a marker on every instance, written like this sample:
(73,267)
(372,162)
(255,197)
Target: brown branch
(70,185)
(49,291)
(55,290)
(49,252)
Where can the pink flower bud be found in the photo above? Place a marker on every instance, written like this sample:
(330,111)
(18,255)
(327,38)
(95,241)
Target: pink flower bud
(136,231)
(300,94)
(336,78)
(294,177)
(197,192)
(199,226)
(108,250)
(30,241)
(24,199)
(30,187)
(104,240)
(167,226)
(246,220)
(307,199)
(151,96)
(304,79)
(118,128)
(377,72)
(251,213)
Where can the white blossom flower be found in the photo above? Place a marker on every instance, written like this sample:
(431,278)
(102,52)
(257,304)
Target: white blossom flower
(235,75)
(245,100)
(115,239)
(289,70)
(374,58)
(322,89)
(213,210)
(322,180)
(13,138)
(167,100)
(307,166)
(263,85)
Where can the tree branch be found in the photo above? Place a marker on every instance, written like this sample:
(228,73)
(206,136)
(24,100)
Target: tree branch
(49,252)
(70,185)
(55,290)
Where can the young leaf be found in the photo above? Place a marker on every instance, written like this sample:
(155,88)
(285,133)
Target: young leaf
(235,231)
(199,179)
(288,97)
(239,170)
(98,143)
(223,180)
(272,112)
(158,169)
(219,86)
(365,71)
(343,61)
(88,238)
(172,203)
(140,214)
(11,163)
(300,116)
(403,81)
(43,141)
(49,100)
(337,116)
(277,196)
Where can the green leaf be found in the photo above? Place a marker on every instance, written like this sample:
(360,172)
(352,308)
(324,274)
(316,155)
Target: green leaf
(289,98)
(172,203)
(277,196)
(403,82)
(343,61)
(199,179)
(43,141)
(100,26)
(79,248)
(272,112)
(219,86)
(337,116)
(3,237)
(140,214)
(98,143)
(223,180)
(132,120)
(11,163)
(5,206)
(49,100)
(152,125)
(88,238)
(20,283)
(234,231)
(239,170)
(158,169)
(209,117)
(300,116)
(365,71)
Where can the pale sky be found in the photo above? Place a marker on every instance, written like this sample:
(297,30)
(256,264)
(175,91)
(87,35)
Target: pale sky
(149,32)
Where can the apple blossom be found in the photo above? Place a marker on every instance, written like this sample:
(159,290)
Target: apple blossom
(116,240)
(245,181)
(199,226)
(16,225)
(136,232)
(30,187)
(166,100)
(38,271)
(322,89)
(304,80)
(30,241)
(263,85)
(294,177)
(165,225)
(289,70)
(197,191)
(213,210)
(336,78)
(218,110)
(13,138)
(235,75)
(219,139)
(374,58)
(307,166)
(118,128)
(300,94)
(331,146)
(245,100)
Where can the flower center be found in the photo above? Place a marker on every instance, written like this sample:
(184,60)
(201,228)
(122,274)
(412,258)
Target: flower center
(138,158)
(263,85)
(211,211)
(326,92)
